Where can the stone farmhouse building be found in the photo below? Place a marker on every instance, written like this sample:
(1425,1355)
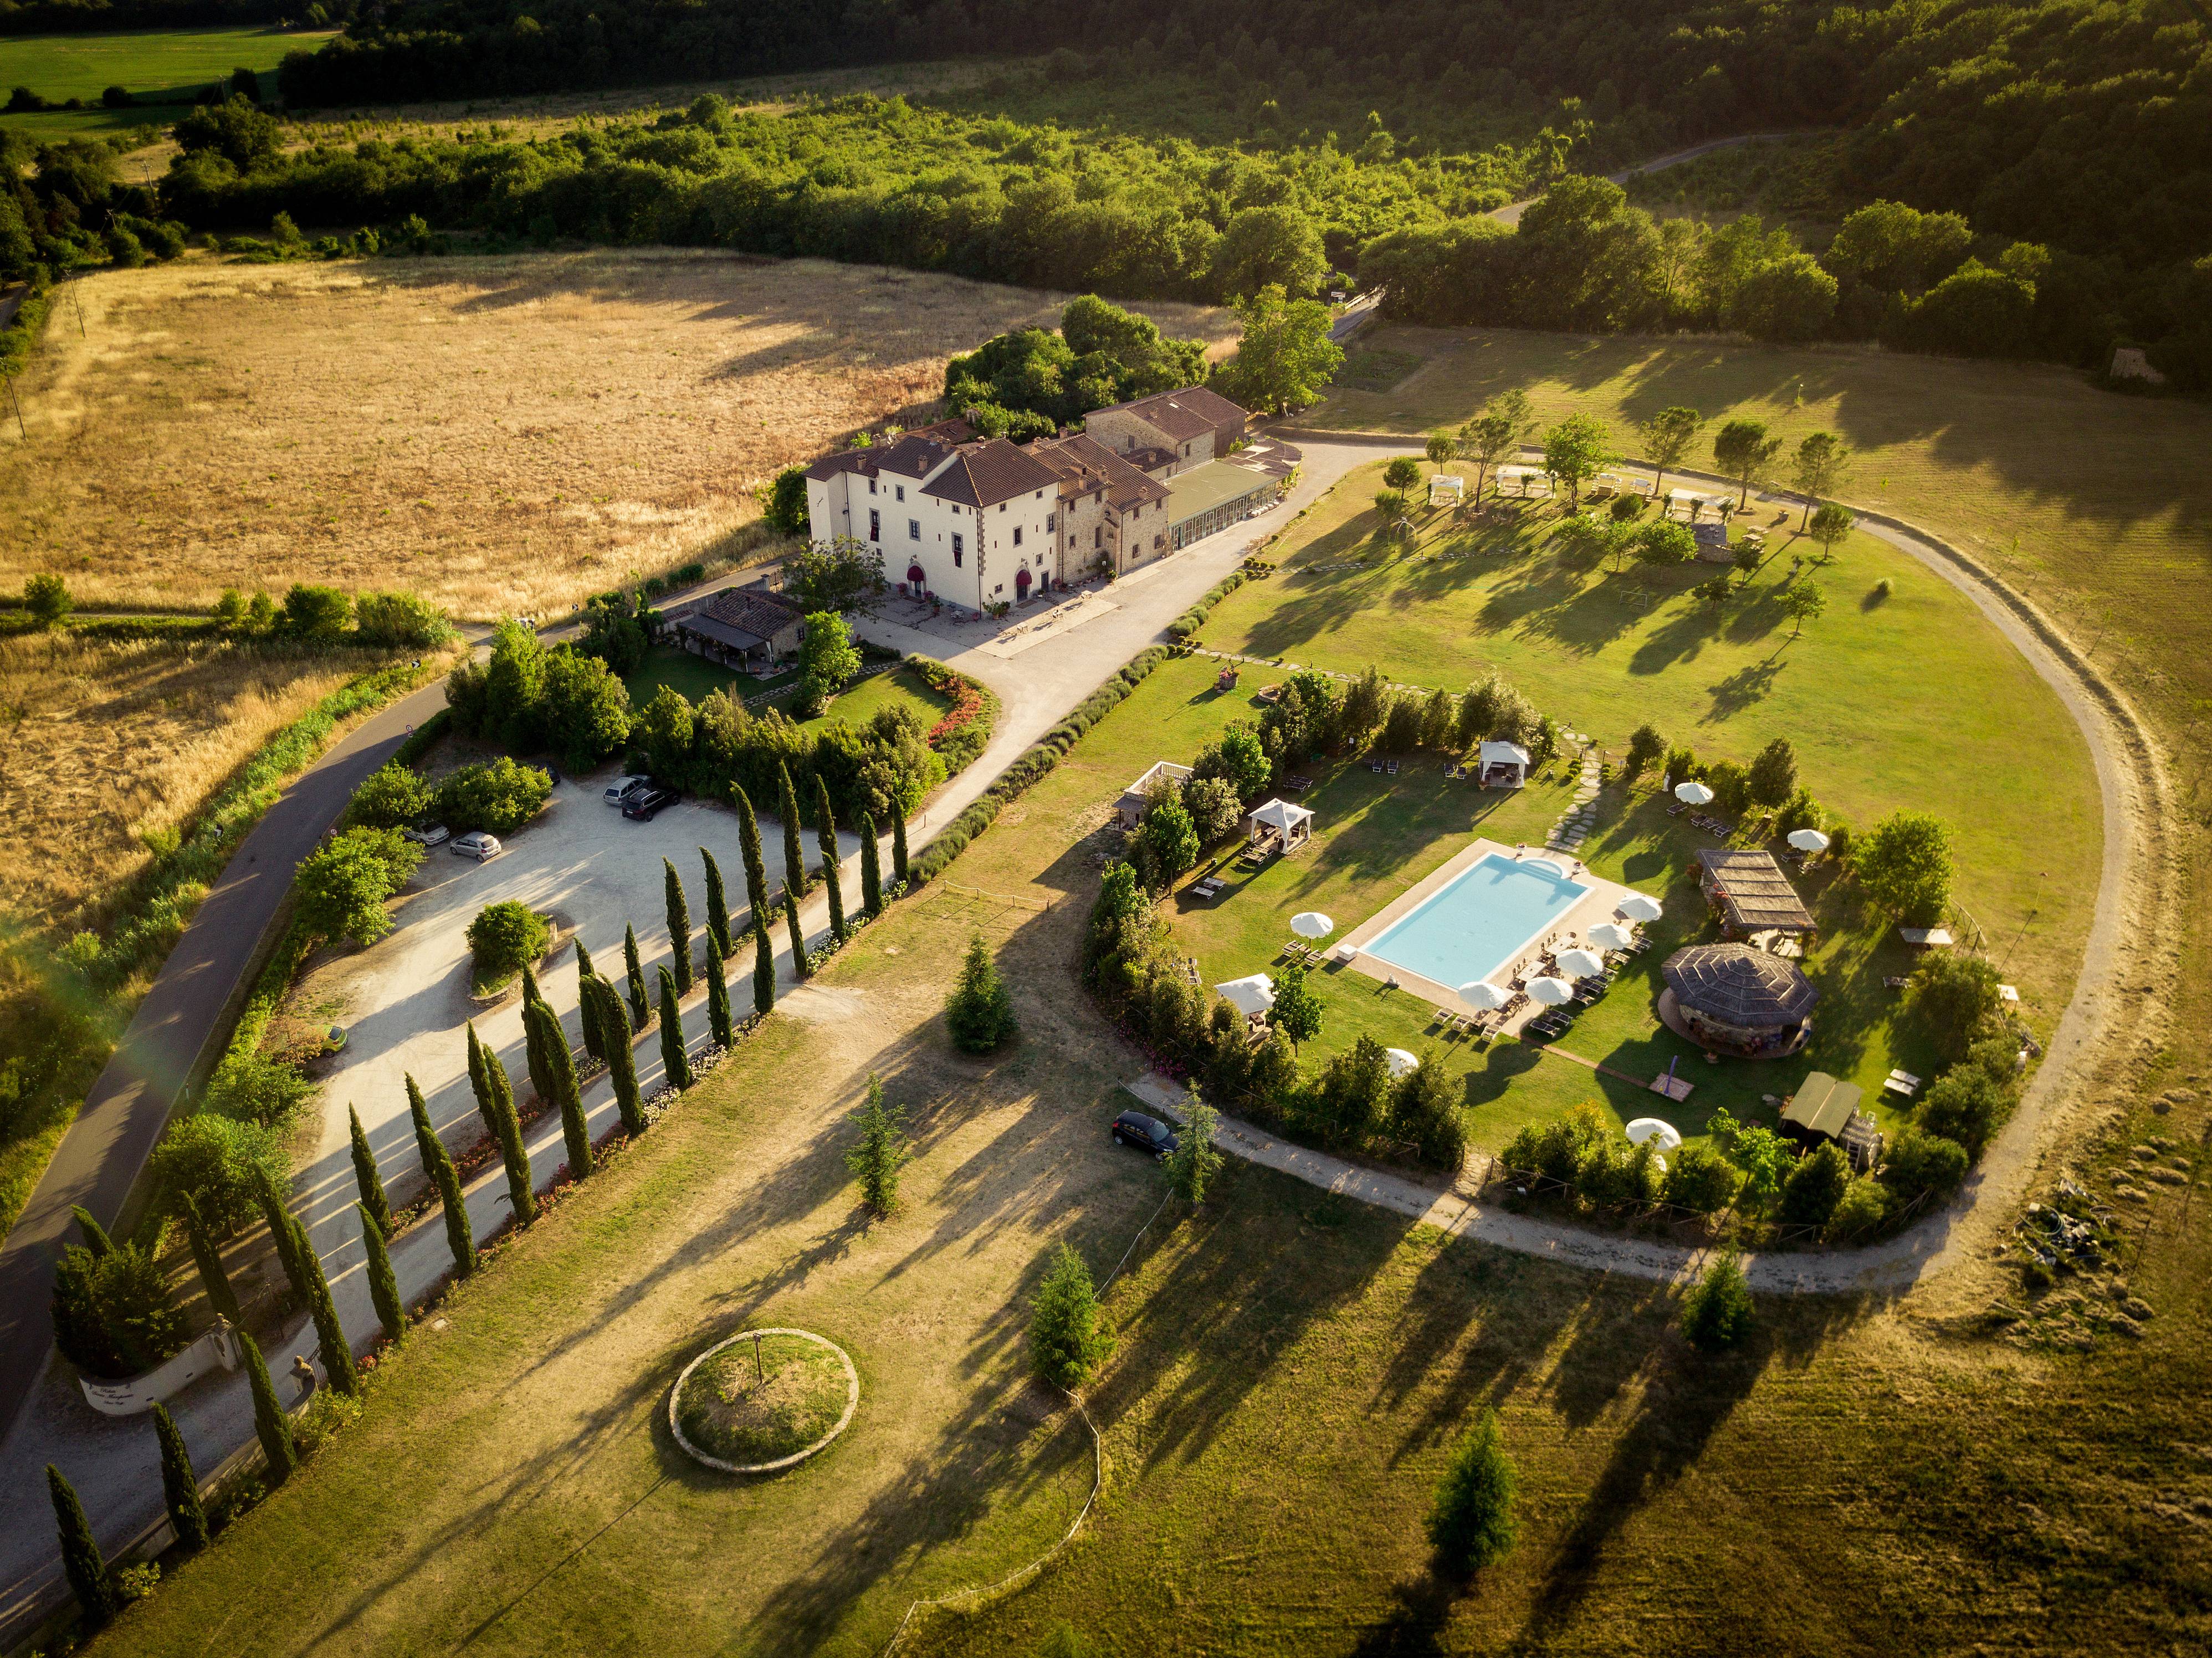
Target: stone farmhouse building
(976,522)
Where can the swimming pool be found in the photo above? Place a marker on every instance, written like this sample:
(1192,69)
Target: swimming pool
(1479,922)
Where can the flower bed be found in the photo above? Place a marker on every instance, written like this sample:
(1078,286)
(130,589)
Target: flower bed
(965,731)
(763,1399)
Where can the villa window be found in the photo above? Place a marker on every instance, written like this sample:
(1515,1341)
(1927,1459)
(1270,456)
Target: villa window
(901,492)
(1017,535)
(958,547)
(914,529)
(875,525)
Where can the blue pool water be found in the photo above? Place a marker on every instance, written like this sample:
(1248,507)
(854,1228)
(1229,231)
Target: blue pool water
(1477,922)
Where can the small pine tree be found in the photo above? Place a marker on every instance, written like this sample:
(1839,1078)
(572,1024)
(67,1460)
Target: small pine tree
(872,869)
(981,1013)
(1472,1524)
(621,1059)
(1068,1338)
(366,1177)
(898,847)
(594,1043)
(180,1486)
(86,1567)
(679,926)
(794,861)
(95,1235)
(575,1133)
(764,965)
(826,836)
(800,964)
(718,1021)
(383,1284)
(880,1152)
(209,1260)
(675,1063)
(748,842)
(717,905)
(641,1009)
(270,1425)
(438,1164)
(1191,1164)
(1716,1313)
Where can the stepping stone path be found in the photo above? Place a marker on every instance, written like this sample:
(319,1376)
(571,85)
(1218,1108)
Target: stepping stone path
(1581,817)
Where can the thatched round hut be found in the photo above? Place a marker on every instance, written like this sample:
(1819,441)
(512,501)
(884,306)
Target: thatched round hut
(1737,999)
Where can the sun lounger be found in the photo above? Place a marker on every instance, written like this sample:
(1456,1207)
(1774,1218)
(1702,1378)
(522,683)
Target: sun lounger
(1298,785)
(1894,981)
(1392,768)
(1375,766)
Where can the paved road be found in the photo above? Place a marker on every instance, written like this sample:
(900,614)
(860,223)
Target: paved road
(1511,212)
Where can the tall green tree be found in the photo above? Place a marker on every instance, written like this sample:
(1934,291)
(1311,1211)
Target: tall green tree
(871,868)
(366,1177)
(1191,1164)
(496,1102)
(880,1152)
(674,1061)
(282,1236)
(679,927)
(438,1164)
(717,905)
(1494,435)
(1717,1314)
(1823,460)
(89,1579)
(383,1283)
(898,847)
(209,1260)
(1472,1523)
(95,1235)
(1068,1338)
(1286,358)
(1667,436)
(1829,524)
(794,859)
(1575,450)
(534,1045)
(270,1425)
(180,1485)
(800,964)
(980,1013)
(1905,865)
(763,964)
(1744,450)
(336,1352)
(621,1060)
(640,1008)
(575,1132)
(826,836)
(594,1044)
(1296,1010)
(718,1021)
(749,841)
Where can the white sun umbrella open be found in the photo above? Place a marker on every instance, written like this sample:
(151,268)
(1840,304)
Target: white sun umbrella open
(1808,840)
(1551,992)
(1654,1128)
(1693,794)
(1312,924)
(1485,995)
(1580,964)
(1611,935)
(1638,908)
(1400,1061)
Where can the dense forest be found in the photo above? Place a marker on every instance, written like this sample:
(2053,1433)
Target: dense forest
(82,17)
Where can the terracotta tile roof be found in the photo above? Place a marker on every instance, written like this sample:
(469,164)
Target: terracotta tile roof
(914,455)
(750,611)
(984,474)
(1192,412)
(1084,464)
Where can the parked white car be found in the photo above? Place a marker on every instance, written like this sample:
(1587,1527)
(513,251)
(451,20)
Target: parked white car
(622,789)
(435,835)
(477,845)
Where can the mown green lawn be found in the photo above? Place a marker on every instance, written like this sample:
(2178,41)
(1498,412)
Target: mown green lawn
(157,63)
(695,677)
(901,688)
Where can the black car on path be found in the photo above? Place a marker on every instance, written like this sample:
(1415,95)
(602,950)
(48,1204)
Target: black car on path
(641,805)
(1146,1134)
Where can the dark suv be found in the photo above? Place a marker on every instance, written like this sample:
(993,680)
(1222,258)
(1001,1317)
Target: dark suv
(642,802)
(1146,1134)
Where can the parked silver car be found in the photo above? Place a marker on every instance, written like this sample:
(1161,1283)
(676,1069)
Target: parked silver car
(622,789)
(434,835)
(477,845)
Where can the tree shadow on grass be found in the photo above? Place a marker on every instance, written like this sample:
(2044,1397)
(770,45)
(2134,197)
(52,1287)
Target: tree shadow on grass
(1748,686)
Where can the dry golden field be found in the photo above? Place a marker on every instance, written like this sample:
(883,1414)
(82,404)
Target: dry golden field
(104,746)
(502,434)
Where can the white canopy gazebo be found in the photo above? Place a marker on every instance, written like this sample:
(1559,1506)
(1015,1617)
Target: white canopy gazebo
(1445,490)
(1501,765)
(1524,476)
(1252,996)
(1292,825)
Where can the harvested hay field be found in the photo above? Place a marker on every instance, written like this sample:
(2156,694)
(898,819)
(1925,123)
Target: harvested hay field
(105,747)
(504,435)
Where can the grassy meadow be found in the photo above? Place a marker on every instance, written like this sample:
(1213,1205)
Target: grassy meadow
(165,68)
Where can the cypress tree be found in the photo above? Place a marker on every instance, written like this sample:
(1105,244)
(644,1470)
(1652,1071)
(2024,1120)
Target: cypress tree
(826,836)
(718,996)
(95,1235)
(507,1126)
(674,1062)
(383,1285)
(640,1010)
(679,927)
(97,1597)
(533,1048)
(574,1131)
(1472,1523)
(872,869)
(749,841)
(480,1083)
(594,1042)
(763,964)
(209,1260)
(621,1060)
(898,847)
(717,905)
(280,1230)
(794,863)
(366,1177)
(438,1164)
(270,1422)
(180,1486)
(330,1334)
(800,964)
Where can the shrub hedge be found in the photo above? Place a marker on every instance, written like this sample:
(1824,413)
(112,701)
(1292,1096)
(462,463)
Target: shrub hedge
(1188,624)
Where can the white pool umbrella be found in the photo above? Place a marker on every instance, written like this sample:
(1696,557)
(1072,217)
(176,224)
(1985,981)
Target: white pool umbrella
(1579,963)
(1401,1062)
(1312,924)
(1808,840)
(1609,935)
(1551,992)
(1485,995)
(1693,794)
(1655,1128)
(1638,908)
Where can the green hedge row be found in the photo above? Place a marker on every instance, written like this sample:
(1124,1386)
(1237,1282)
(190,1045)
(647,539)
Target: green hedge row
(1186,625)
(1026,773)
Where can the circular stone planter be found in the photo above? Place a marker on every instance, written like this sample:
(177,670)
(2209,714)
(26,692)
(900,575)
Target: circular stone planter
(697,1454)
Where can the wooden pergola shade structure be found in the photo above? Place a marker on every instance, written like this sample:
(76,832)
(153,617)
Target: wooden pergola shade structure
(1750,893)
